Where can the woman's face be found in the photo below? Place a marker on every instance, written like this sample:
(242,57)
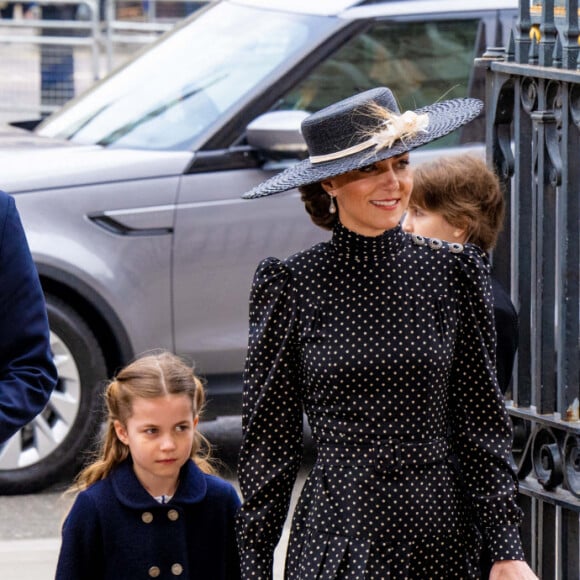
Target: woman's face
(372,199)
(431,224)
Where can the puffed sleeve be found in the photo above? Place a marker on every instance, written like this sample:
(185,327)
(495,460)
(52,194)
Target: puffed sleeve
(27,371)
(81,554)
(482,431)
(272,446)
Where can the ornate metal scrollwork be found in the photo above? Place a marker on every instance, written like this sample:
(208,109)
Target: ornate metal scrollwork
(547,459)
(529,94)
(503,122)
(554,131)
(521,455)
(575,104)
(572,463)
(547,450)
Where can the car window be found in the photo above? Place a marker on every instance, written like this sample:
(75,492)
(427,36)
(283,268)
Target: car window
(181,85)
(422,62)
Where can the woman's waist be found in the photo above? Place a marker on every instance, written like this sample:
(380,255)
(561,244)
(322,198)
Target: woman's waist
(386,454)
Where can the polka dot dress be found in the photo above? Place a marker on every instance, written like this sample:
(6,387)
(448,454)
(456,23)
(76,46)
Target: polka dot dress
(387,345)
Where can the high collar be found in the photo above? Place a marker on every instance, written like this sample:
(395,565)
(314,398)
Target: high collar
(129,491)
(367,248)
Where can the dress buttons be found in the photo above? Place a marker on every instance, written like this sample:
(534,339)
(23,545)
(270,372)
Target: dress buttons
(435,243)
(154,571)
(147,517)
(173,515)
(419,240)
(456,248)
(177,569)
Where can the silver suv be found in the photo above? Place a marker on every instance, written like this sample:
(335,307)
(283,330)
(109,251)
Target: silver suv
(130,195)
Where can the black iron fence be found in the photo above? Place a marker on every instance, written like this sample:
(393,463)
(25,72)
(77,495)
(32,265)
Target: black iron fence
(533,140)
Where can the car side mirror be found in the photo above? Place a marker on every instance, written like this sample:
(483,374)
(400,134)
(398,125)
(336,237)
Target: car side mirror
(277,134)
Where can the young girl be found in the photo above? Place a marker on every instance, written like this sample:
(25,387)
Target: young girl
(150,505)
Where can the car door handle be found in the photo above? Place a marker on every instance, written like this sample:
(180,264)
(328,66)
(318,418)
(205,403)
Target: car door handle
(150,221)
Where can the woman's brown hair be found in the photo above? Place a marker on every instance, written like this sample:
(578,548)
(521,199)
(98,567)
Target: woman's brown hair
(153,375)
(317,204)
(465,192)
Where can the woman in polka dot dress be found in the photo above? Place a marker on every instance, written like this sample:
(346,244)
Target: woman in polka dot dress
(386,342)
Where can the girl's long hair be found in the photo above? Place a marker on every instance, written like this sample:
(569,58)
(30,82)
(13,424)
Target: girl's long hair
(153,375)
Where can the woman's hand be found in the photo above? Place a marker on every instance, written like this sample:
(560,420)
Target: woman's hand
(511,570)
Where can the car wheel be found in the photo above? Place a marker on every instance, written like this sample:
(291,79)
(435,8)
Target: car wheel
(51,447)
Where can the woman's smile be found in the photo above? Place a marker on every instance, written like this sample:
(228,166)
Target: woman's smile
(389,204)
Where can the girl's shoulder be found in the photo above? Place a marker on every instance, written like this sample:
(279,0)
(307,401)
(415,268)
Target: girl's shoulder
(219,484)
(92,499)
(97,489)
(202,485)
(222,492)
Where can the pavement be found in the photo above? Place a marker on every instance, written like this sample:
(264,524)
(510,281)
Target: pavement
(29,559)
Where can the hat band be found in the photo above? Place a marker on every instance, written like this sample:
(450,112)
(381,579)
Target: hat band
(393,128)
(314,159)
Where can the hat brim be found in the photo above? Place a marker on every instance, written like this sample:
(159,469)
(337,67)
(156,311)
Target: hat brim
(444,118)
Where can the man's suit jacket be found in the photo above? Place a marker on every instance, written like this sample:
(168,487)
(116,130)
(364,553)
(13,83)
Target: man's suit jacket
(27,371)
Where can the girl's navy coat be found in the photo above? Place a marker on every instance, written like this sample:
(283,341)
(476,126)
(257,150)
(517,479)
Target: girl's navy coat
(27,371)
(117,531)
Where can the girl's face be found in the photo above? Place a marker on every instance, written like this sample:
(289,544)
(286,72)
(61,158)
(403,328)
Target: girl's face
(431,224)
(372,199)
(159,434)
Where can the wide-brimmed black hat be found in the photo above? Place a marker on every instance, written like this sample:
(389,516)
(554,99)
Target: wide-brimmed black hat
(363,129)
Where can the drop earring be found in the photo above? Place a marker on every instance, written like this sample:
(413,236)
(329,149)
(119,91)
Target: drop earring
(332,206)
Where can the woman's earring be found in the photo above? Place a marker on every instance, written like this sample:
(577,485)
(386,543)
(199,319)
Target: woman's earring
(332,206)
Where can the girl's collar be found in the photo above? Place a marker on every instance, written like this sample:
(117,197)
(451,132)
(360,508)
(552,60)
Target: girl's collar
(191,489)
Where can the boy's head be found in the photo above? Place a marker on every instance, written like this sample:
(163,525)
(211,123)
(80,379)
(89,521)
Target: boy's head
(465,193)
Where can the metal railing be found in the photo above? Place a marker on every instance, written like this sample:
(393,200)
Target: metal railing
(38,56)
(59,48)
(533,141)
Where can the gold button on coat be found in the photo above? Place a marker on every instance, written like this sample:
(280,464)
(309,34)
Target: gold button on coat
(154,571)
(177,569)
(147,517)
(173,515)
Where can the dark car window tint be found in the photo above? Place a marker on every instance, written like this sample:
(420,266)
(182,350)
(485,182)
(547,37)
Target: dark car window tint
(422,62)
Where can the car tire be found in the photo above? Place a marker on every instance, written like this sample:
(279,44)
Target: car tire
(52,447)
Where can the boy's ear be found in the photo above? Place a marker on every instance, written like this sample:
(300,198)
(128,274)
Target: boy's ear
(460,233)
(196,421)
(121,432)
